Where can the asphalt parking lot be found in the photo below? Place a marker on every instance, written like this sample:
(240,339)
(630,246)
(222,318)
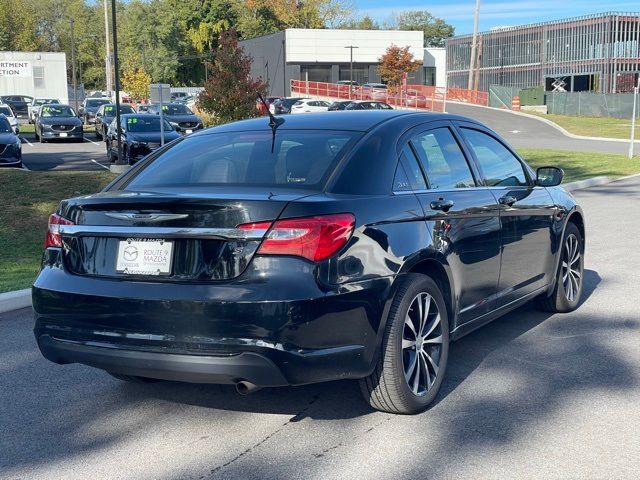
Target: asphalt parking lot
(531,395)
(63,155)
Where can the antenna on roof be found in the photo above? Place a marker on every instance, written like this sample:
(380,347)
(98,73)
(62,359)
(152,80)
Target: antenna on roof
(274,122)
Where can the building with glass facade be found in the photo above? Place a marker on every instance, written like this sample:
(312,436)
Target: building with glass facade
(596,53)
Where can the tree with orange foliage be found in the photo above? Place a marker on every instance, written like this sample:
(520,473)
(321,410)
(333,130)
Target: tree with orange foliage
(395,61)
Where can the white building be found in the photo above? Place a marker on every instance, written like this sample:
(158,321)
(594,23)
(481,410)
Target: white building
(36,74)
(435,66)
(324,55)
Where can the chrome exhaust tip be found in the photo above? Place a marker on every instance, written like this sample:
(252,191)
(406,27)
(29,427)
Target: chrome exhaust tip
(246,388)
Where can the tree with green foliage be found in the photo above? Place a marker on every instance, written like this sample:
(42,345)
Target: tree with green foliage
(365,23)
(230,93)
(396,61)
(435,29)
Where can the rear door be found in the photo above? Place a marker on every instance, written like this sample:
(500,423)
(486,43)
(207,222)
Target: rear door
(526,214)
(463,217)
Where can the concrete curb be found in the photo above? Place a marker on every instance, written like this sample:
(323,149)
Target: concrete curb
(550,123)
(15,300)
(589,182)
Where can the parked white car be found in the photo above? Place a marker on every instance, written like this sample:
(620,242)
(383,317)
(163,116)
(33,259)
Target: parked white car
(8,112)
(308,105)
(34,106)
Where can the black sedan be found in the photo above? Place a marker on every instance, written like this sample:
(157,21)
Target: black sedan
(89,108)
(339,105)
(105,115)
(18,103)
(367,105)
(140,136)
(329,246)
(58,122)
(10,145)
(181,118)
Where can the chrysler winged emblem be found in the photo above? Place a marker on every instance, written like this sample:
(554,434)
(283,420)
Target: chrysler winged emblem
(148,217)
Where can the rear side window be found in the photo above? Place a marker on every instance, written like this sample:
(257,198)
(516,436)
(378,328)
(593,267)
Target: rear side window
(442,159)
(499,166)
(299,159)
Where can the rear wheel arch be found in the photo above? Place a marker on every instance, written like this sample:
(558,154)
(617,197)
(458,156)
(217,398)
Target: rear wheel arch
(436,271)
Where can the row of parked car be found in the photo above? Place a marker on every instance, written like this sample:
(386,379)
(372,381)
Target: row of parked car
(286,105)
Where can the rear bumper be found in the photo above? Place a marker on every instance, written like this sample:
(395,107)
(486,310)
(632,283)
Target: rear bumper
(248,366)
(282,329)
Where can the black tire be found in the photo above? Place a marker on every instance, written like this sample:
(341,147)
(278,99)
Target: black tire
(132,378)
(387,388)
(560,300)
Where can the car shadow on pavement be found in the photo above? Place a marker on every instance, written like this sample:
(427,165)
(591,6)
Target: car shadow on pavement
(343,399)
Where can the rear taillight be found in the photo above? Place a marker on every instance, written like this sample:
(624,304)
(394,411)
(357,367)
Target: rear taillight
(314,238)
(53,238)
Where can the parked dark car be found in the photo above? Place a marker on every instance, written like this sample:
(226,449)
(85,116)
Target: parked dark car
(140,136)
(89,108)
(181,118)
(56,121)
(368,105)
(339,105)
(106,114)
(10,145)
(18,103)
(336,246)
(283,105)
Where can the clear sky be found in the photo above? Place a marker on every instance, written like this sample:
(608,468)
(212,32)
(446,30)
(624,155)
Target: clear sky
(494,13)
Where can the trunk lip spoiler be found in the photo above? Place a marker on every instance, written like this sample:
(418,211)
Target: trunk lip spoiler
(161,232)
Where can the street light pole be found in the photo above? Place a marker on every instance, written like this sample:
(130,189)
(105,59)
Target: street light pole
(474,46)
(73,67)
(351,47)
(107,58)
(117,80)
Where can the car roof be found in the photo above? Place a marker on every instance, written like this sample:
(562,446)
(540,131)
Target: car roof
(359,120)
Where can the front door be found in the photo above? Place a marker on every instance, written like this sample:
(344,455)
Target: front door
(526,215)
(463,219)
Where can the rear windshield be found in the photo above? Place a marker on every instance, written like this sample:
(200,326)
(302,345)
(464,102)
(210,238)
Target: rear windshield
(300,158)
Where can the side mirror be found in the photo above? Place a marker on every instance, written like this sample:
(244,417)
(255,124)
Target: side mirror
(549,176)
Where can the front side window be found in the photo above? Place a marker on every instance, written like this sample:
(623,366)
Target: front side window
(499,166)
(442,159)
(300,159)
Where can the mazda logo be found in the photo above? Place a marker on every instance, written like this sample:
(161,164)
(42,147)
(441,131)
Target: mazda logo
(130,253)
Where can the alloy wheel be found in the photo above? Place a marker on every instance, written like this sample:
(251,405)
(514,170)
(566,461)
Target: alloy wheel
(571,267)
(422,344)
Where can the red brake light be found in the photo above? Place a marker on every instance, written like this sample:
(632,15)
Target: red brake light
(314,238)
(53,238)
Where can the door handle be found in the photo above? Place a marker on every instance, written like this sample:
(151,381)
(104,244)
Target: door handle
(508,200)
(441,204)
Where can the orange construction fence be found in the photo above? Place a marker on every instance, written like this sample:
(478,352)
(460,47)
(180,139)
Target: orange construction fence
(414,96)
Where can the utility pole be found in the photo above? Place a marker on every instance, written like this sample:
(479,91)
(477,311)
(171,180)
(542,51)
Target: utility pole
(472,60)
(107,58)
(117,80)
(351,47)
(636,89)
(73,67)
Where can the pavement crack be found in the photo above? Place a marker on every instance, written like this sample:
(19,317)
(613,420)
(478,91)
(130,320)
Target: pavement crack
(296,418)
(354,437)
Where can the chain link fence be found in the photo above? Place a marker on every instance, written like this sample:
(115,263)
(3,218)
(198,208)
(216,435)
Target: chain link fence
(587,104)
